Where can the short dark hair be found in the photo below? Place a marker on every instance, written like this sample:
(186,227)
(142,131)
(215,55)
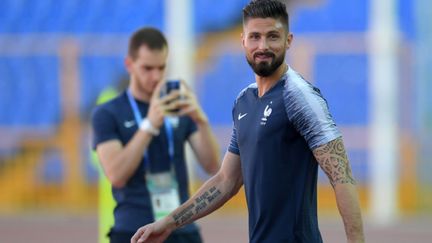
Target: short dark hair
(266,9)
(151,37)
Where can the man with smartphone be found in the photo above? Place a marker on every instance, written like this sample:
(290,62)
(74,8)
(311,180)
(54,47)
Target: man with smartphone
(140,135)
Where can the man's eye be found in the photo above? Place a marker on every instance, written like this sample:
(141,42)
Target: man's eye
(254,37)
(274,37)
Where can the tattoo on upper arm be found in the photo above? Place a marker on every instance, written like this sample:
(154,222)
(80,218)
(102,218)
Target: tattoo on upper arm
(333,160)
(201,203)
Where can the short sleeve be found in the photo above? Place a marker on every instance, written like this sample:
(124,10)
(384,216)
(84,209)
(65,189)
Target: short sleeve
(104,126)
(308,112)
(191,127)
(233,146)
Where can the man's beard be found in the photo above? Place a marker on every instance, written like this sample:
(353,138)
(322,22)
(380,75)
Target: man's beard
(265,69)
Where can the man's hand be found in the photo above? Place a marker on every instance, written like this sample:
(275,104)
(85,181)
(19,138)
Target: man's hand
(189,105)
(156,232)
(160,106)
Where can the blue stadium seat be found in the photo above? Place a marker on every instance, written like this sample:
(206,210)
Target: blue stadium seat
(407,18)
(6,87)
(51,170)
(10,14)
(330,16)
(96,74)
(107,16)
(216,83)
(217,16)
(12,95)
(135,14)
(81,21)
(48,97)
(53,18)
(349,84)
(5,14)
(25,101)
(90,170)
(28,17)
(26,86)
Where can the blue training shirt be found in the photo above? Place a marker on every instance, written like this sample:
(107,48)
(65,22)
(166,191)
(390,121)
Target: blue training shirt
(115,120)
(274,135)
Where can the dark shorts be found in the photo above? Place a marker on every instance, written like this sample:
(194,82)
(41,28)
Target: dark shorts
(125,237)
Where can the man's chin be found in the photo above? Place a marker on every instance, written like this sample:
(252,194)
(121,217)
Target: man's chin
(263,72)
(263,62)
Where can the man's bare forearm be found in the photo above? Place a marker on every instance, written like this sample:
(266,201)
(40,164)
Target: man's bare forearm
(349,208)
(203,204)
(206,148)
(211,196)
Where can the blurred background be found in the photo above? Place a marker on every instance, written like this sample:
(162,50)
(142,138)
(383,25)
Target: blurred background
(371,59)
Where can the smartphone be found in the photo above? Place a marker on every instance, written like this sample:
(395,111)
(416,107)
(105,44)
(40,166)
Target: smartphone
(171,85)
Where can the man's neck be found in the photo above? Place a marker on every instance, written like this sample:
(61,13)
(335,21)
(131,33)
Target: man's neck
(139,94)
(266,83)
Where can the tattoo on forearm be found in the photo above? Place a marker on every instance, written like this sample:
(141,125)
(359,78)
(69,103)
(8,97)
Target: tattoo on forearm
(184,215)
(200,204)
(333,160)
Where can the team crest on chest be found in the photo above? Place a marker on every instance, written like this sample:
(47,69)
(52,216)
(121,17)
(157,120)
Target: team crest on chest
(267,112)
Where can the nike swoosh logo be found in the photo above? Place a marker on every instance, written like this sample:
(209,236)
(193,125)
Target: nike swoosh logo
(240,116)
(129,124)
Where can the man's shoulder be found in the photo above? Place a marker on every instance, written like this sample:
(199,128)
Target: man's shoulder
(112,106)
(295,81)
(298,89)
(250,88)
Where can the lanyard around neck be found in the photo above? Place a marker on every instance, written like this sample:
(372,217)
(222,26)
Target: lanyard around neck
(168,128)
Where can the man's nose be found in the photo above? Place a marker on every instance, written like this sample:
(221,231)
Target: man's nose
(263,45)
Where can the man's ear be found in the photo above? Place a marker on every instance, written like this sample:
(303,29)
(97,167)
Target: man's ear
(128,63)
(289,40)
(242,39)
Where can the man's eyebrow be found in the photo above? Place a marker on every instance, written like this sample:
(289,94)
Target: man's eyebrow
(254,33)
(273,32)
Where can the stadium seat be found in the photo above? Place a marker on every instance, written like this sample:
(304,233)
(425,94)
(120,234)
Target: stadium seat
(331,15)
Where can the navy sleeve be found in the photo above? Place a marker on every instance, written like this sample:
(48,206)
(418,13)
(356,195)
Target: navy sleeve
(308,111)
(191,127)
(104,126)
(233,145)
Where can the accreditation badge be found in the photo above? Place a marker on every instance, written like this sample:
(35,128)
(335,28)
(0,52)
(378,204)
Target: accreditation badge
(164,193)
